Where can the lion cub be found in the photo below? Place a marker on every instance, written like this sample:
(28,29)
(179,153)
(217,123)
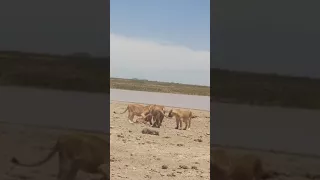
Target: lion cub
(77,152)
(180,116)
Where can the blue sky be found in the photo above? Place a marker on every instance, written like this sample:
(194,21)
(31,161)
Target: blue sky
(185,22)
(178,31)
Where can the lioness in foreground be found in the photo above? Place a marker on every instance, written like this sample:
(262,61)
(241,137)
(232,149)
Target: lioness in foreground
(136,110)
(245,167)
(180,116)
(77,152)
(239,167)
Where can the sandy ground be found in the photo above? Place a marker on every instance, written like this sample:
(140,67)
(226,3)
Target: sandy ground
(174,154)
(30,144)
(138,156)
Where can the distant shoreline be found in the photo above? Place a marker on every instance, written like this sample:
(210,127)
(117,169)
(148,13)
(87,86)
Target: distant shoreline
(83,73)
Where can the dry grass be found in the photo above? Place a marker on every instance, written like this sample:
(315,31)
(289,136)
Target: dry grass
(154,86)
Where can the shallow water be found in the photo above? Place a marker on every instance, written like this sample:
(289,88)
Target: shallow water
(55,108)
(174,100)
(267,128)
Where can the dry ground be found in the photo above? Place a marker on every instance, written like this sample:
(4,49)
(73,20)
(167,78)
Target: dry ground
(138,156)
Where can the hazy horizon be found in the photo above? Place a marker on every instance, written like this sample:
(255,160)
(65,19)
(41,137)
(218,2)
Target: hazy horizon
(154,40)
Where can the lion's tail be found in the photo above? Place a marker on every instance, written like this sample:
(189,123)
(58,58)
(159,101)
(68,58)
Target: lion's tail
(122,112)
(49,156)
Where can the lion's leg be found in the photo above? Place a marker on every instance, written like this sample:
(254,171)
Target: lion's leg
(149,118)
(155,121)
(161,119)
(177,122)
(158,121)
(130,117)
(180,122)
(189,123)
(186,123)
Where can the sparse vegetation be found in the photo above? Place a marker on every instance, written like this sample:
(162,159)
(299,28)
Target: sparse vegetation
(265,89)
(155,86)
(71,72)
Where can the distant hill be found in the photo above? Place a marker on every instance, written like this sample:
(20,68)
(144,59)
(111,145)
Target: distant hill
(55,71)
(265,89)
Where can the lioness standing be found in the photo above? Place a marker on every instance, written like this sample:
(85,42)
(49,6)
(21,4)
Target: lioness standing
(136,110)
(76,152)
(180,116)
(157,113)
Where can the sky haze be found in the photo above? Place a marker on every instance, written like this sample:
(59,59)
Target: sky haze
(161,40)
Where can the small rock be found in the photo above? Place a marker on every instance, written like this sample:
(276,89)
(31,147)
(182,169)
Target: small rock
(198,140)
(150,131)
(183,167)
(120,136)
(164,167)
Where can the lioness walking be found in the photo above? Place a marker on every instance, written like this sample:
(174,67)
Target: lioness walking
(77,152)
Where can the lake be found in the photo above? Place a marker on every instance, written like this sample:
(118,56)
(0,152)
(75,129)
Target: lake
(293,130)
(75,110)
(166,99)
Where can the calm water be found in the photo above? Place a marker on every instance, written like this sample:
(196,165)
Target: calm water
(174,100)
(55,108)
(291,130)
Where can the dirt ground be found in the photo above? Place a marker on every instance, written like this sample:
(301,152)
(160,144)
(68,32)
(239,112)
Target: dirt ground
(174,154)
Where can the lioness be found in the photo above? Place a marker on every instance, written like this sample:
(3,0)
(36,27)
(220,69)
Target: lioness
(136,110)
(180,116)
(77,152)
(241,167)
(157,113)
